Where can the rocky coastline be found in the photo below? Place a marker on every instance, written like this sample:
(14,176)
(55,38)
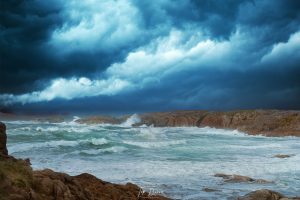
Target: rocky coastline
(19,182)
(272,123)
(253,122)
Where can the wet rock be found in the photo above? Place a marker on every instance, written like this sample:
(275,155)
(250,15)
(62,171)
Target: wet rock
(266,195)
(3,138)
(282,156)
(85,186)
(18,181)
(240,179)
(206,189)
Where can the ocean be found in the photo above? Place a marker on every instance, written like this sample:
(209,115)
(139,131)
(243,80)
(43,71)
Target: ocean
(174,161)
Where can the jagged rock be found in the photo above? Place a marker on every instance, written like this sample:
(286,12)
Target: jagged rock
(265,122)
(238,179)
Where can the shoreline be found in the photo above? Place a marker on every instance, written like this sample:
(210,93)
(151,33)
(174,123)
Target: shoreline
(19,181)
(271,123)
(40,180)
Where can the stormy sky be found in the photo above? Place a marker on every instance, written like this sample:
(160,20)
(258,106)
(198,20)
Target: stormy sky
(143,55)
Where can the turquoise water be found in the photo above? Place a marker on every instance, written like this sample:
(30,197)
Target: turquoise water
(177,162)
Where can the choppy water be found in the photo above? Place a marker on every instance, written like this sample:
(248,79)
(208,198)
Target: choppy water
(177,162)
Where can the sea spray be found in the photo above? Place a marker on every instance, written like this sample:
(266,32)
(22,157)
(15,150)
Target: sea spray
(133,119)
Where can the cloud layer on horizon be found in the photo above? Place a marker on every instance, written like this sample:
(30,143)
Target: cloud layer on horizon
(185,54)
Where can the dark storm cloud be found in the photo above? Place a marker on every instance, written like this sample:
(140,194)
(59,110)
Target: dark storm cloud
(217,18)
(27,60)
(25,26)
(141,55)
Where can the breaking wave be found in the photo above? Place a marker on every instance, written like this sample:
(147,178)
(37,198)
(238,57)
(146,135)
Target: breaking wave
(133,119)
(155,144)
(114,149)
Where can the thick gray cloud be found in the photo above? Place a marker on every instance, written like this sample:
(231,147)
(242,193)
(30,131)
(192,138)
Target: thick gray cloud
(141,55)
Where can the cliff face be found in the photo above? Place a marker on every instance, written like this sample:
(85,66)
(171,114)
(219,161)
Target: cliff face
(19,182)
(172,119)
(266,122)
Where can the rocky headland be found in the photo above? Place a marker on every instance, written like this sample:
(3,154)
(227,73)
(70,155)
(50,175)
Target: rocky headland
(253,122)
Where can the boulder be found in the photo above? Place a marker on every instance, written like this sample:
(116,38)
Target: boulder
(282,156)
(266,195)
(239,179)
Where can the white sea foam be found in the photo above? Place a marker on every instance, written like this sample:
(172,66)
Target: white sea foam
(48,129)
(155,144)
(149,132)
(21,122)
(114,149)
(133,119)
(21,147)
(64,128)
(98,141)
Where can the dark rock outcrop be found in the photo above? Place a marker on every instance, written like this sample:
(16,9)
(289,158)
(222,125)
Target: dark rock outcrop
(239,179)
(206,189)
(282,156)
(266,195)
(19,182)
(3,138)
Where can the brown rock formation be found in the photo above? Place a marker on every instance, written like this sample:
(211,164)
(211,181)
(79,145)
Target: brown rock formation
(266,195)
(19,182)
(253,122)
(266,122)
(239,179)
(172,119)
(99,120)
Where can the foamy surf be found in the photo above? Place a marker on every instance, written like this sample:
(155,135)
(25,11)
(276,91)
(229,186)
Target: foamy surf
(133,119)
(177,160)
(155,144)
